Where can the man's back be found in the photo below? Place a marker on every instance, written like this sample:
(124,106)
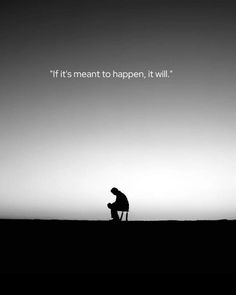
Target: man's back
(122,201)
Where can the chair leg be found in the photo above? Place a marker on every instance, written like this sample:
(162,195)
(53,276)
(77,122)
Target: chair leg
(127,216)
(121,216)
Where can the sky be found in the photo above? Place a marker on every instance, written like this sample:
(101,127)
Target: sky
(168,144)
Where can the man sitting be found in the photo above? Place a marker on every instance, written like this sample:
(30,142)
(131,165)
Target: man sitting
(121,204)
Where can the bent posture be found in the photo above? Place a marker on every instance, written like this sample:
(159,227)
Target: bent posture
(121,204)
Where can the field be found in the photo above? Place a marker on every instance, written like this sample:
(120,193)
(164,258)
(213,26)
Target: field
(60,246)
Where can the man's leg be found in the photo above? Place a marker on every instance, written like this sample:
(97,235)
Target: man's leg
(114,214)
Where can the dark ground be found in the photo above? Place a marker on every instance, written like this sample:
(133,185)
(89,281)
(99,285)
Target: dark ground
(55,246)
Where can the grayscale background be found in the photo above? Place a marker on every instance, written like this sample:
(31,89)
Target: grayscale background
(169,145)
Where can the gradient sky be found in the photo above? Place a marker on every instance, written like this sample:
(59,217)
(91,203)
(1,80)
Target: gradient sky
(169,145)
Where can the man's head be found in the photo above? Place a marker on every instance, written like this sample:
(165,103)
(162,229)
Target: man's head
(114,190)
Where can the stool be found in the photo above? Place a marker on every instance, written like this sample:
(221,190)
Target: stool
(126,217)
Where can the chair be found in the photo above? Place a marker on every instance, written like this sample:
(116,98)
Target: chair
(122,213)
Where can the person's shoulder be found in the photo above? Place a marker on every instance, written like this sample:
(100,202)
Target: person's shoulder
(122,194)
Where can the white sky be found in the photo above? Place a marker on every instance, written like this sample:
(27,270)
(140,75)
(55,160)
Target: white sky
(169,145)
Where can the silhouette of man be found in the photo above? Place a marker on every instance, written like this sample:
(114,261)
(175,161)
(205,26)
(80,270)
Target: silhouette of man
(121,204)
